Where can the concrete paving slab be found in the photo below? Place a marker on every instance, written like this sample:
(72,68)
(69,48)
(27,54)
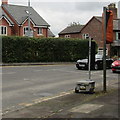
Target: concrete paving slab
(86,108)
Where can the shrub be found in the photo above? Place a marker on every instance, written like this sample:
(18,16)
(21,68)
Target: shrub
(24,49)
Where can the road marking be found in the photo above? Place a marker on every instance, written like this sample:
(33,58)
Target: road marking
(50,98)
(37,65)
(23,105)
(86,108)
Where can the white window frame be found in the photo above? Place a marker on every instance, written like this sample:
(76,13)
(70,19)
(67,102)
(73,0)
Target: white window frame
(26,30)
(67,36)
(100,51)
(40,31)
(4,32)
(85,36)
(117,35)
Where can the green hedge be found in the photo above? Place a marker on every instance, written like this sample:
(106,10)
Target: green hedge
(24,49)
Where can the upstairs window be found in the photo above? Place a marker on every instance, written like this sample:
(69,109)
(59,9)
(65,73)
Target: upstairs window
(67,36)
(26,32)
(86,36)
(3,30)
(40,31)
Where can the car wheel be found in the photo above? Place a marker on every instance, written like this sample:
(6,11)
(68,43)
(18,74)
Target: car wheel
(114,71)
(96,66)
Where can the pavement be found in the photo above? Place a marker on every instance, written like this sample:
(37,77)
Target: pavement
(70,105)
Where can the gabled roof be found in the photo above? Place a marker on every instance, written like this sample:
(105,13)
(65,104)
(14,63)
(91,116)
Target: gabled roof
(50,34)
(72,29)
(98,18)
(4,15)
(20,14)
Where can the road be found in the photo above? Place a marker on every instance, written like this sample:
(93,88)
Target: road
(23,84)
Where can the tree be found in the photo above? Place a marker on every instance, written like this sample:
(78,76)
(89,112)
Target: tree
(74,23)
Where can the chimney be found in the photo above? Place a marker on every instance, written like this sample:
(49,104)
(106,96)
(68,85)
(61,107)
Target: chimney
(119,9)
(113,8)
(4,2)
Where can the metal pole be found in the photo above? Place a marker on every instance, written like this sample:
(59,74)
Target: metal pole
(89,58)
(104,52)
(28,18)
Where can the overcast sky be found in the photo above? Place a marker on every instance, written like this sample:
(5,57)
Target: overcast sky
(60,13)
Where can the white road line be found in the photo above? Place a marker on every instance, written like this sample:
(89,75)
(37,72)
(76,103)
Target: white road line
(23,105)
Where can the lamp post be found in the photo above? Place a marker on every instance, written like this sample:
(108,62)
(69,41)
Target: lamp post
(28,18)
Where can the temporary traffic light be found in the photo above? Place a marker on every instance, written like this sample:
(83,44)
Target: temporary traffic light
(109,26)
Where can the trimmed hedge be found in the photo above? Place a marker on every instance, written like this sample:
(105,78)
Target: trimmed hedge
(24,49)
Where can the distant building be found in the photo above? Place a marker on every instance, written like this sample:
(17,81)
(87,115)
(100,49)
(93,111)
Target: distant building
(93,29)
(14,21)
(73,31)
(50,34)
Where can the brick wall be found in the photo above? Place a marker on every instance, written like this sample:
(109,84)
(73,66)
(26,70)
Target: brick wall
(72,35)
(18,30)
(94,29)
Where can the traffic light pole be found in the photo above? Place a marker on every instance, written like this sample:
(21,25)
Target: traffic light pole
(89,67)
(104,52)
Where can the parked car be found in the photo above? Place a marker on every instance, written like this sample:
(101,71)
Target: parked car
(83,64)
(116,66)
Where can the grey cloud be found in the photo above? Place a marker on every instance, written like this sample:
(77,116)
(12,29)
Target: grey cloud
(90,6)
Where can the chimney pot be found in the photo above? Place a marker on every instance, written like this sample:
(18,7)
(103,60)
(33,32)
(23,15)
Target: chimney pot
(112,5)
(113,8)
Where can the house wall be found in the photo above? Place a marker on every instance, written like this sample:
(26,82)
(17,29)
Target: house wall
(18,30)
(3,22)
(35,30)
(15,28)
(94,29)
(75,35)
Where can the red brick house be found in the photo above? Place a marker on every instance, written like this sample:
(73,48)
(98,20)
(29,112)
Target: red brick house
(73,31)
(93,28)
(14,21)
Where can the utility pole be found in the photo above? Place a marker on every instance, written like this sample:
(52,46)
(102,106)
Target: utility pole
(29,32)
(104,51)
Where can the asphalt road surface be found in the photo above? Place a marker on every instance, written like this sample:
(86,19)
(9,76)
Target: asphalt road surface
(23,84)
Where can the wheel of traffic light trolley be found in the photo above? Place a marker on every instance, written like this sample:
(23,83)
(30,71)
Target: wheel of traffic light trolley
(76,90)
(78,68)
(96,66)
(91,91)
